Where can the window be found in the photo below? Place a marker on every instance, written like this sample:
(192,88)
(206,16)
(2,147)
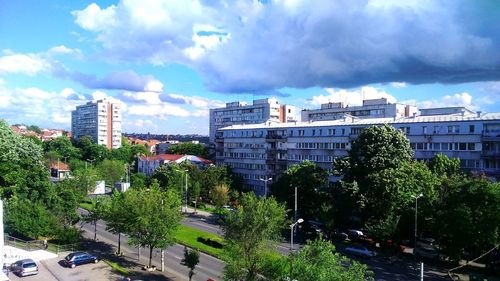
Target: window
(471,128)
(453,129)
(343,131)
(405,130)
(471,146)
(424,130)
(436,130)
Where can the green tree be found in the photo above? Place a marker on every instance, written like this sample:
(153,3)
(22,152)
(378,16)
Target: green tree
(34,128)
(156,216)
(318,260)
(138,180)
(29,219)
(443,166)
(170,176)
(118,217)
(111,170)
(220,195)
(312,186)
(468,217)
(191,260)
(196,189)
(249,233)
(63,147)
(98,210)
(188,148)
(92,151)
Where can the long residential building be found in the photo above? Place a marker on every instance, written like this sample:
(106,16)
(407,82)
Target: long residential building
(259,111)
(262,151)
(100,120)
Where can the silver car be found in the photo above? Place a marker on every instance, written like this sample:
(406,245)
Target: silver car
(24,267)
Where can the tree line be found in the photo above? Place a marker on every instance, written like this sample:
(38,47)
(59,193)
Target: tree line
(376,189)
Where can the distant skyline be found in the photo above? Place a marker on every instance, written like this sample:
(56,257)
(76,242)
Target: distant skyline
(169,62)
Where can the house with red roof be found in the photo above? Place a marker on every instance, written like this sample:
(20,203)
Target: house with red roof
(148,164)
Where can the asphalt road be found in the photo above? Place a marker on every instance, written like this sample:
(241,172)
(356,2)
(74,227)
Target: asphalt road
(209,267)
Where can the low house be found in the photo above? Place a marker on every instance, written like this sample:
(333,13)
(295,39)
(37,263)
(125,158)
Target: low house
(59,170)
(148,164)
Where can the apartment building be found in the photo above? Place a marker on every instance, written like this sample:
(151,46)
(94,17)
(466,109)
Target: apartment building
(260,111)
(375,108)
(262,151)
(100,120)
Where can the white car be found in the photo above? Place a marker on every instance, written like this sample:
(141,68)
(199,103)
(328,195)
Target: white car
(24,267)
(360,251)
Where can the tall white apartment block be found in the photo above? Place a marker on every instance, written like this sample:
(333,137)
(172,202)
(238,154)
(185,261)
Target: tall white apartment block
(260,111)
(261,151)
(376,108)
(100,120)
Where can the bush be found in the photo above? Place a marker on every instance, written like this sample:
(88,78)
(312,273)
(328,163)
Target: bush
(68,235)
(210,242)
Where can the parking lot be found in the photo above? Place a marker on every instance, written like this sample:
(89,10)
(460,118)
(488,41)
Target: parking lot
(51,270)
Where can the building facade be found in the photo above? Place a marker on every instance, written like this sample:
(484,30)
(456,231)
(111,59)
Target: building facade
(262,151)
(260,111)
(100,120)
(376,108)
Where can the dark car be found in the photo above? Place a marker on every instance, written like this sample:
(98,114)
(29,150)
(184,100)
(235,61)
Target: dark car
(79,258)
(312,230)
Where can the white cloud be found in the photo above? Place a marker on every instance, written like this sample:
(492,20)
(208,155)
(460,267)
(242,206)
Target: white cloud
(96,19)
(244,46)
(351,97)
(459,99)
(398,85)
(159,110)
(29,64)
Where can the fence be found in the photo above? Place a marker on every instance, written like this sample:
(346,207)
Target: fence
(34,245)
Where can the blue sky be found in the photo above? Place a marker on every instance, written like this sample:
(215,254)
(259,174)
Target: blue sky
(168,62)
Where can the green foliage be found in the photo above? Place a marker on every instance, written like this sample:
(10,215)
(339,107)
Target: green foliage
(469,217)
(191,237)
(63,147)
(318,261)
(91,151)
(138,180)
(311,182)
(220,195)
(156,216)
(191,260)
(111,171)
(97,210)
(443,166)
(34,128)
(249,233)
(170,176)
(117,216)
(188,148)
(28,219)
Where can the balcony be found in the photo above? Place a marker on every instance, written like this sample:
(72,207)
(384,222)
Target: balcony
(490,153)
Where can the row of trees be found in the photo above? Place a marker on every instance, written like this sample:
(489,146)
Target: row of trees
(251,234)
(376,191)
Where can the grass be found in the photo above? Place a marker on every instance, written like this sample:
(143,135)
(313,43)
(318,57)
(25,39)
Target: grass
(116,267)
(85,205)
(188,236)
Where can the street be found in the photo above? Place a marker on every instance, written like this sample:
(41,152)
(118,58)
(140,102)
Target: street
(209,267)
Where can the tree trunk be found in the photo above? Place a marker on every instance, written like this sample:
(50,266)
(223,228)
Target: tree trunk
(191,273)
(195,203)
(150,255)
(95,230)
(119,242)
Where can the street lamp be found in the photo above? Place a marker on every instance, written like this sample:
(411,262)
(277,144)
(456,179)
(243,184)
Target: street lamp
(416,212)
(291,232)
(186,187)
(89,160)
(265,185)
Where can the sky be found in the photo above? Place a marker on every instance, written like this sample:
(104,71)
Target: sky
(169,62)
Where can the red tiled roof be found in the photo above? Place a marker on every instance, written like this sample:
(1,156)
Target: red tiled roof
(169,157)
(59,166)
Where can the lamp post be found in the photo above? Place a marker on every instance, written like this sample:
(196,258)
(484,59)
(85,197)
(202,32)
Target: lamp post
(89,160)
(295,210)
(291,232)
(265,185)
(186,188)
(416,212)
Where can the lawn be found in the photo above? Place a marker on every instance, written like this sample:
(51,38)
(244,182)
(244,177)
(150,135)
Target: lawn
(117,268)
(188,236)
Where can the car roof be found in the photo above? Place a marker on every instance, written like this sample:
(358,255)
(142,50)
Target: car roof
(26,261)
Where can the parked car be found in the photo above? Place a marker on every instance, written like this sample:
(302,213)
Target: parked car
(360,251)
(79,258)
(24,267)
(312,230)
(426,252)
